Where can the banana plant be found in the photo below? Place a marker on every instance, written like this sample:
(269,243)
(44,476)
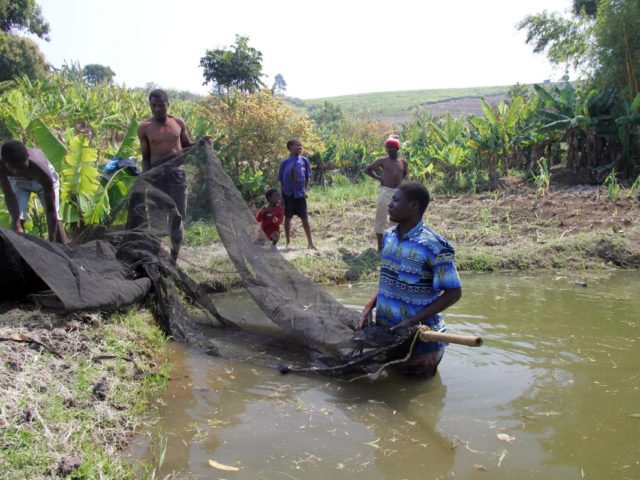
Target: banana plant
(52,148)
(18,111)
(79,179)
(107,197)
(499,135)
(628,129)
(448,147)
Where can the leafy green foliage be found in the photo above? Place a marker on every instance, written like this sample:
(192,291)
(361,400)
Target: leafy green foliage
(618,46)
(236,68)
(635,188)
(564,41)
(53,149)
(79,178)
(76,126)
(129,146)
(543,178)
(437,148)
(95,73)
(20,56)
(23,15)
(612,186)
(253,130)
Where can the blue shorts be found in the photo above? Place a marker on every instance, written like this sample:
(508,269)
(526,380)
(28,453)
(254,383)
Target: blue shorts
(23,188)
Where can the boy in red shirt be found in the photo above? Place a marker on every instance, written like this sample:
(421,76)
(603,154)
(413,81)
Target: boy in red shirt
(271,216)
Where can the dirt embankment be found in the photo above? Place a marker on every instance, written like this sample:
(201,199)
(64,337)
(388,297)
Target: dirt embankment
(512,228)
(572,227)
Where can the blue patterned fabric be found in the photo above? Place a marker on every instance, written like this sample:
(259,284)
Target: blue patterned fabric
(413,272)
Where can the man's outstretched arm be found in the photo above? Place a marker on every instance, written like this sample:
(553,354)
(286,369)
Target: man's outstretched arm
(12,204)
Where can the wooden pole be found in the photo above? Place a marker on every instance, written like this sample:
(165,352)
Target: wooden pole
(427,335)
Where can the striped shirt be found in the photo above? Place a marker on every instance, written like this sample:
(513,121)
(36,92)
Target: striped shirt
(414,271)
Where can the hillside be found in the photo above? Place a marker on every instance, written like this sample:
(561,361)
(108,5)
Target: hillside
(396,107)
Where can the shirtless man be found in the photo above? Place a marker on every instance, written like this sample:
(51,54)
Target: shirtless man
(24,171)
(394,170)
(163,135)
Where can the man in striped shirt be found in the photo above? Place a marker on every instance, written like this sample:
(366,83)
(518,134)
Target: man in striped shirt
(418,277)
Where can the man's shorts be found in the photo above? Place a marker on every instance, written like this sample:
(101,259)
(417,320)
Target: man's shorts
(382,208)
(23,188)
(423,364)
(174,184)
(294,206)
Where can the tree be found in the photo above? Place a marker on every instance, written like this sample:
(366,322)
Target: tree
(617,35)
(586,7)
(23,15)
(236,68)
(253,132)
(601,38)
(564,41)
(328,119)
(95,73)
(279,85)
(20,56)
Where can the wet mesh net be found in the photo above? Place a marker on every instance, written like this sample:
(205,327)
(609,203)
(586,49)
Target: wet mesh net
(113,268)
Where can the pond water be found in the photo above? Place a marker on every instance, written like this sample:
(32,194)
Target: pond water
(554,393)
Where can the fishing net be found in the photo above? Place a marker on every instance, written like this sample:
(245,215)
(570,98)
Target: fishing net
(113,268)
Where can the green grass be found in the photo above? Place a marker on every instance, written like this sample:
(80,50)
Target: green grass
(393,105)
(343,193)
(67,419)
(200,233)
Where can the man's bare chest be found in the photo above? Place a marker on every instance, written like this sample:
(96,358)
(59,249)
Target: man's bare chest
(163,134)
(391,166)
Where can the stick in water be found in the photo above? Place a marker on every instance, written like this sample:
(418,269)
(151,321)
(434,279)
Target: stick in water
(427,335)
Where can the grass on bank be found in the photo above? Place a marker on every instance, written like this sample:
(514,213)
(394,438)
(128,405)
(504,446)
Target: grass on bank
(71,413)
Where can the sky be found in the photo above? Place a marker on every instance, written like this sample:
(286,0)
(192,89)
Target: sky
(322,49)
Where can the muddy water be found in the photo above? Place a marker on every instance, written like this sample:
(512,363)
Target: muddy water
(553,394)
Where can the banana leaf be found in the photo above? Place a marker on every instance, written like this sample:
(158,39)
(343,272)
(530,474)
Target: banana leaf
(52,148)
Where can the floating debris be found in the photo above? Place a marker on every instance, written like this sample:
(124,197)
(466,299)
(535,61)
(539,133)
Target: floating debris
(221,466)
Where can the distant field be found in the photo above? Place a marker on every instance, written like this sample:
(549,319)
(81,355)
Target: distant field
(395,107)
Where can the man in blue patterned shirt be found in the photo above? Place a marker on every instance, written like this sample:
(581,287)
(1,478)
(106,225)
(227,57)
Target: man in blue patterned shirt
(418,278)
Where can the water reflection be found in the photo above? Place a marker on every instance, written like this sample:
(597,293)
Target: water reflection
(552,394)
(305,427)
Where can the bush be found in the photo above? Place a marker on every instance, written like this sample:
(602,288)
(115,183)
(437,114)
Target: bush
(20,56)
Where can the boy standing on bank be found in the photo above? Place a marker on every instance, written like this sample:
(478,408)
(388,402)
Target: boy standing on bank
(294,176)
(393,170)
